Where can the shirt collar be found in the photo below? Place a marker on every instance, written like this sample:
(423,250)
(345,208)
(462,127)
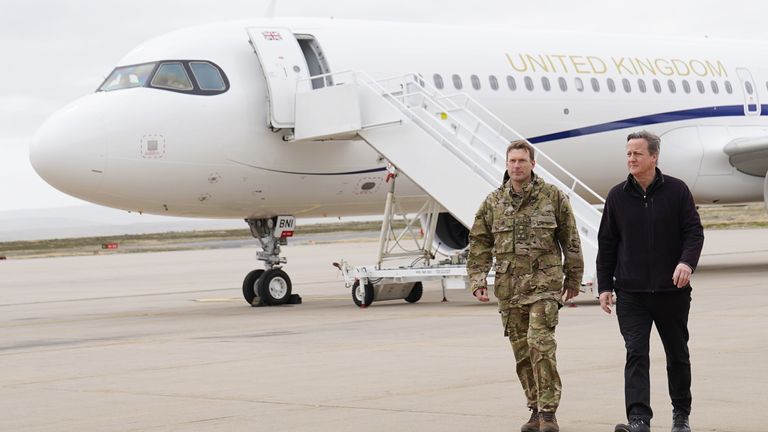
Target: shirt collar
(658,180)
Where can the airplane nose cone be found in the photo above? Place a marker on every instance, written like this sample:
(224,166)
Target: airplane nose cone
(68,151)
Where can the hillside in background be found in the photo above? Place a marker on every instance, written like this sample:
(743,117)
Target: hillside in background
(90,220)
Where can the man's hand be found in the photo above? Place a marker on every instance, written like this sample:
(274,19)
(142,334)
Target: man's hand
(481,294)
(570,293)
(682,275)
(606,301)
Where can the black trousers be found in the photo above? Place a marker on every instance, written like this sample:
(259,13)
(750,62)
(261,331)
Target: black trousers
(669,312)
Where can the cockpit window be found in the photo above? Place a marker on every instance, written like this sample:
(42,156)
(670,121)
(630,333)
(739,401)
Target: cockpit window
(127,77)
(192,77)
(207,76)
(172,76)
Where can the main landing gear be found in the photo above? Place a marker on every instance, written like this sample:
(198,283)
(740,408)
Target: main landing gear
(272,286)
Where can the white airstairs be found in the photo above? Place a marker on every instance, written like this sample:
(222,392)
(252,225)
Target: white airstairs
(451,147)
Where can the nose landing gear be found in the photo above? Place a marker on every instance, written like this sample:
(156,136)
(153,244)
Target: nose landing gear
(270,287)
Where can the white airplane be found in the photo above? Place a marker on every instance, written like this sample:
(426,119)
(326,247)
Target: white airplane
(203,122)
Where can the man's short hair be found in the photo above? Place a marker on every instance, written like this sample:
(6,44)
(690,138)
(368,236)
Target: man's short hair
(654,142)
(521,145)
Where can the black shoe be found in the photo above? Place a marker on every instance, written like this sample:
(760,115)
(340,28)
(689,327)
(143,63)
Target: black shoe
(635,425)
(680,422)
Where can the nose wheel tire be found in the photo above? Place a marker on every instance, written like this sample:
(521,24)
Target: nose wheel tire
(274,287)
(416,292)
(362,296)
(250,285)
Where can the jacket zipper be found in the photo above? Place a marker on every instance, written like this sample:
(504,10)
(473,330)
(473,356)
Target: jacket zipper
(650,241)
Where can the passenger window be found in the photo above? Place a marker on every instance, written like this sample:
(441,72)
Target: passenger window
(611,85)
(715,88)
(657,86)
(438,79)
(127,77)
(208,76)
(475,80)
(748,87)
(562,83)
(595,84)
(545,83)
(728,87)
(511,83)
(700,86)
(686,86)
(457,82)
(172,76)
(672,86)
(627,86)
(641,85)
(528,83)
(493,82)
(579,84)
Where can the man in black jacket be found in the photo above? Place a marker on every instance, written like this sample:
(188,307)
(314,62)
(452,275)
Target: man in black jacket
(649,241)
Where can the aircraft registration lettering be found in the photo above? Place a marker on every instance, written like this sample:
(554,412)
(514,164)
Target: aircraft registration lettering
(594,65)
(284,226)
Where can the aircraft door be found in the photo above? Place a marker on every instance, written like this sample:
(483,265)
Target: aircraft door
(283,63)
(751,101)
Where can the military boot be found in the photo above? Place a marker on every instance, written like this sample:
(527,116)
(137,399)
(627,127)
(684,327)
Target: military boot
(533,423)
(680,422)
(548,422)
(635,425)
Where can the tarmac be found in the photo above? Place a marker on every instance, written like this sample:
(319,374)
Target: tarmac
(164,342)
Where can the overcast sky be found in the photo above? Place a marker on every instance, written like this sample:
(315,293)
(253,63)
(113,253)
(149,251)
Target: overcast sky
(55,51)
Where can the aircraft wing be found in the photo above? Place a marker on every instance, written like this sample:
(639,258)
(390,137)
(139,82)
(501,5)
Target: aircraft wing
(749,155)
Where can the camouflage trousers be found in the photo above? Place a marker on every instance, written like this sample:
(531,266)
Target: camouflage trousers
(531,331)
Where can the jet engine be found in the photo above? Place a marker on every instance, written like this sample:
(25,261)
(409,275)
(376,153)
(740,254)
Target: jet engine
(451,236)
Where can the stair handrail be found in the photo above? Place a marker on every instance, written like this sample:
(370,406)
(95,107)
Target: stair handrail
(441,136)
(469,106)
(502,125)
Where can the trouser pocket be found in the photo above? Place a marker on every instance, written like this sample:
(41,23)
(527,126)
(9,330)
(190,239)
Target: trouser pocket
(551,313)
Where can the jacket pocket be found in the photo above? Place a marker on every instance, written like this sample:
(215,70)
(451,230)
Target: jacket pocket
(547,261)
(503,236)
(544,221)
(543,232)
(503,224)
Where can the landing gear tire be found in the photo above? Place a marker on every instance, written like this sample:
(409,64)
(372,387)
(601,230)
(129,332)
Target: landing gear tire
(362,296)
(416,292)
(250,283)
(274,287)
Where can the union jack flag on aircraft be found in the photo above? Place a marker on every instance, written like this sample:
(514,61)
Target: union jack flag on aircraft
(272,35)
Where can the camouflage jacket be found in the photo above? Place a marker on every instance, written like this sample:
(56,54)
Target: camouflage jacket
(528,237)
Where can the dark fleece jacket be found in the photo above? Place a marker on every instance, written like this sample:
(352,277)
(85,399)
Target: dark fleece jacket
(644,236)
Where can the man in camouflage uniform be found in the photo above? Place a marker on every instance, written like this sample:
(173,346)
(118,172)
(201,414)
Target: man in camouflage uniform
(528,226)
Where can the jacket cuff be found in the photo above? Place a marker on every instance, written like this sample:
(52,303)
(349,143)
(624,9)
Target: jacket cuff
(569,284)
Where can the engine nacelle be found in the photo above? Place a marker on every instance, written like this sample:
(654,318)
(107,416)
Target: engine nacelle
(765,191)
(451,236)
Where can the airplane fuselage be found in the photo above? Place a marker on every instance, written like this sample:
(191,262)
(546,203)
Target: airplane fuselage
(576,96)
